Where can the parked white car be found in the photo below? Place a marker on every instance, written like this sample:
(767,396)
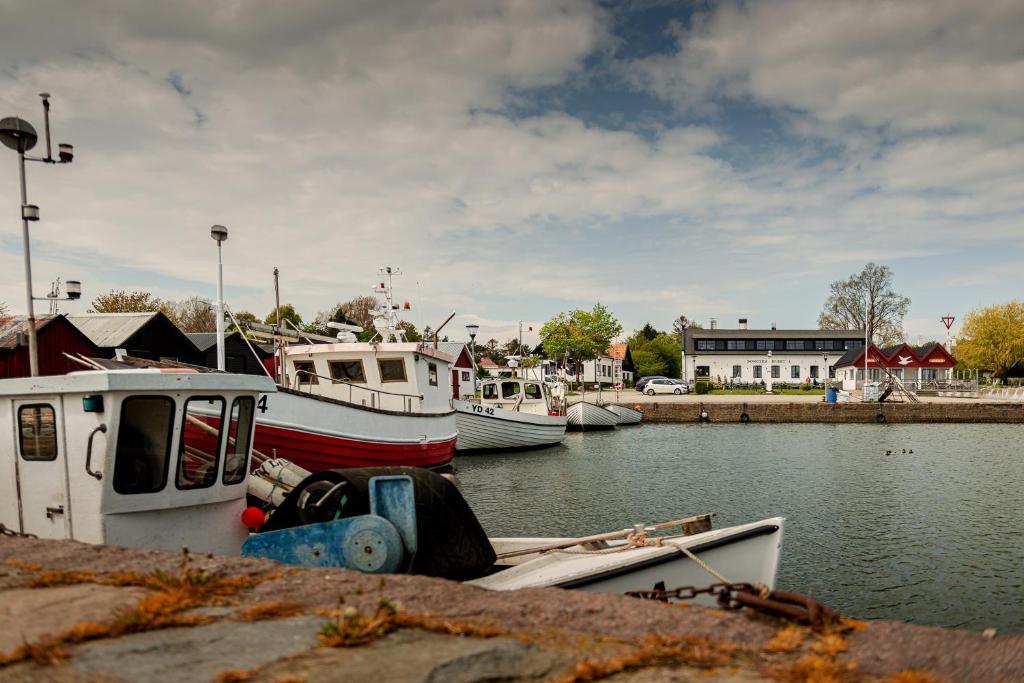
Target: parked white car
(666,386)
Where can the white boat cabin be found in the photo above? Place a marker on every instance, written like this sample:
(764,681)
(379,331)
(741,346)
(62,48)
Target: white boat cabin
(407,377)
(137,458)
(522,395)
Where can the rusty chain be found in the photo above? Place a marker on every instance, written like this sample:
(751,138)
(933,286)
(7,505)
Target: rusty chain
(7,531)
(734,596)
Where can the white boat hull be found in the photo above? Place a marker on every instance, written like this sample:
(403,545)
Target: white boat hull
(483,427)
(626,416)
(746,553)
(584,416)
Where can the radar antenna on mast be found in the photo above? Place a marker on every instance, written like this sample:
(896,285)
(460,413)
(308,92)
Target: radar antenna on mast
(385,315)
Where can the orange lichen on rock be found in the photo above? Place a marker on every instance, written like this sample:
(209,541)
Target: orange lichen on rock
(279,609)
(353,627)
(446,626)
(830,645)
(786,639)
(815,668)
(50,579)
(912,676)
(233,676)
(654,651)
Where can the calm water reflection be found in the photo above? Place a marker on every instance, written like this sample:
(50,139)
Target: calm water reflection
(933,537)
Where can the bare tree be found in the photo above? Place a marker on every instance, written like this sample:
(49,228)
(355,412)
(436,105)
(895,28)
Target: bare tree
(194,314)
(358,310)
(123,301)
(866,299)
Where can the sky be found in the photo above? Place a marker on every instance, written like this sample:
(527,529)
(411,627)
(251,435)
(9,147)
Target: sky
(517,159)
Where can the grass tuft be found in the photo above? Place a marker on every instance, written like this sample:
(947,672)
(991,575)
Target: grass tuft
(654,651)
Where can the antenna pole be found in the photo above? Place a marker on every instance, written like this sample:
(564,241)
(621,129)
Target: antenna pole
(279,372)
(46,125)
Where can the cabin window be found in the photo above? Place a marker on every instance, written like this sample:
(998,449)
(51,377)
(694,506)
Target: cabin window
(391,369)
(37,432)
(509,389)
(347,371)
(757,372)
(239,434)
(199,452)
(532,391)
(465,375)
(794,372)
(775,372)
(143,444)
(305,371)
(490,391)
(432,374)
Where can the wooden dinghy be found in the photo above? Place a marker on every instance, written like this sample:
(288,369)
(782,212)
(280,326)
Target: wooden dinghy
(625,414)
(589,416)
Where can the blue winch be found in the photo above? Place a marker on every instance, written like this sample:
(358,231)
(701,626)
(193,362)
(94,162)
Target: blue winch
(376,520)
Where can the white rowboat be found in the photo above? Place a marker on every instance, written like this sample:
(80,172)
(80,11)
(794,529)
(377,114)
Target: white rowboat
(587,416)
(626,415)
(483,427)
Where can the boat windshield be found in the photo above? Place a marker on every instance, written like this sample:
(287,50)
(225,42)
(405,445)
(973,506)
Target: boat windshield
(490,391)
(509,389)
(533,391)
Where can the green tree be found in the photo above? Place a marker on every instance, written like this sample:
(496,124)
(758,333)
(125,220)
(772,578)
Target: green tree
(288,313)
(866,299)
(123,301)
(992,338)
(3,309)
(411,333)
(580,334)
(648,362)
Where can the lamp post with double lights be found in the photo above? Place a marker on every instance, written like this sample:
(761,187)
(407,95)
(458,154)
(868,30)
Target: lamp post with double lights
(19,135)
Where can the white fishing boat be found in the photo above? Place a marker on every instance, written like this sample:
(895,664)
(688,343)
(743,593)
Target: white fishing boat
(511,413)
(583,416)
(625,414)
(387,402)
(129,457)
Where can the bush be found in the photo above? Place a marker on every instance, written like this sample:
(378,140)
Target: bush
(702,386)
(806,387)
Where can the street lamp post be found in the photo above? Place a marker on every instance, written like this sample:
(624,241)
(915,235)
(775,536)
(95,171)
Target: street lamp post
(219,234)
(19,135)
(472,329)
(768,381)
(824,378)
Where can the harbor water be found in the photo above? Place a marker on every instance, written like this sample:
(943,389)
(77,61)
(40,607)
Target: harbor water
(919,523)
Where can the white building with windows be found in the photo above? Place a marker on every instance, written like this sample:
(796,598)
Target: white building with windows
(749,356)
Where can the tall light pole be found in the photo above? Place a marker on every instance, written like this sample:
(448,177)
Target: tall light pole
(768,384)
(683,322)
(219,233)
(19,135)
(472,329)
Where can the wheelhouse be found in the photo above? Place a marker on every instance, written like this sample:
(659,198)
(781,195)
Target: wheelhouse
(143,458)
(515,393)
(398,376)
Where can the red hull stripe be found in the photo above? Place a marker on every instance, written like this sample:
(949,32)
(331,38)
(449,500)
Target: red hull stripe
(317,452)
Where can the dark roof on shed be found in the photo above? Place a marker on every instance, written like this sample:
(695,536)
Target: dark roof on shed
(12,325)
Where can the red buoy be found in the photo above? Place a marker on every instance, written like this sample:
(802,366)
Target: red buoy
(253,518)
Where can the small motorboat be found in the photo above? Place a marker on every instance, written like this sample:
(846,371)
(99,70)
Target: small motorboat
(583,416)
(511,413)
(625,414)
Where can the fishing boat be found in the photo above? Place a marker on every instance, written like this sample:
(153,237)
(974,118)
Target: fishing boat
(584,416)
(351,404)
(511,413)
(625,414)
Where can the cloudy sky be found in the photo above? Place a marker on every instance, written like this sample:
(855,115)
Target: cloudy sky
(518,158)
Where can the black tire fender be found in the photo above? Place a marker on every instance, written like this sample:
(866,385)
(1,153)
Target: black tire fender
(880,419)
(744,418)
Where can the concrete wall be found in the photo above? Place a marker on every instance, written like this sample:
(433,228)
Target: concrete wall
(832,412)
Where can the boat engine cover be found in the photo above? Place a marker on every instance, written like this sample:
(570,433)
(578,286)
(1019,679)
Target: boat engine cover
(451,543)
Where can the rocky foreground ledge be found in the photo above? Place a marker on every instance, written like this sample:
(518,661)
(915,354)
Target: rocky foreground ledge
(73,612)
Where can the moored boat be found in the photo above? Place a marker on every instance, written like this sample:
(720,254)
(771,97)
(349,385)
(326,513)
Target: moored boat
(511,413)
(589,416)
(386,402)
(625,414)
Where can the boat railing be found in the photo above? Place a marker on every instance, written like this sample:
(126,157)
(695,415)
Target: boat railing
(378,398)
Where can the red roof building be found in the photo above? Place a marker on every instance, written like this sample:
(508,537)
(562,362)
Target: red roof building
(55,336)
(914,365)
